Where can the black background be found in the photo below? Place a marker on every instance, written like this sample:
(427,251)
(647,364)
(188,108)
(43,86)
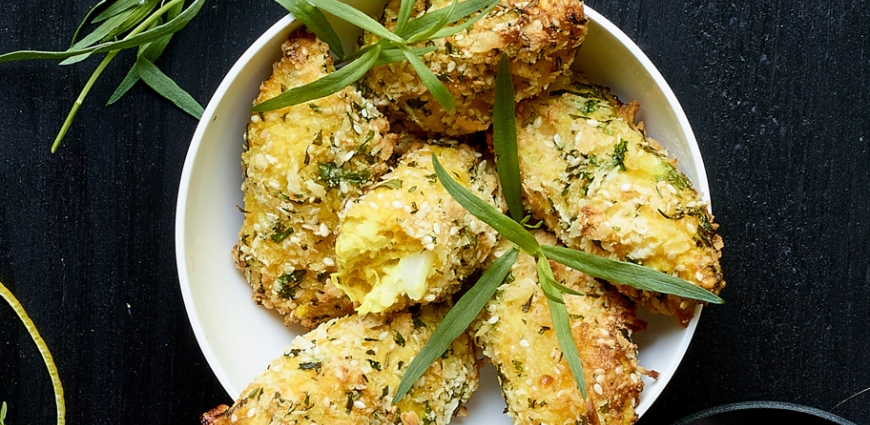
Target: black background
(777,93)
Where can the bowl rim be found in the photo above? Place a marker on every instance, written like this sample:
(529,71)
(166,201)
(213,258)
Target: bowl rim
(282,25)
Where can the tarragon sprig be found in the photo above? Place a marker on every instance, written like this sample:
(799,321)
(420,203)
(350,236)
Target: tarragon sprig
(394,46)
(514,230)
(146,25)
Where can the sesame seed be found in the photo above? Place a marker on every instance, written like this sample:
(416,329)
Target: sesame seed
(384,335)
(429,298)
(592,123)
(359,404)
(524,343)
(691,227)
(684,305)
(398,205)
(252,412)
(699,275)
(671,256)
(492,320)
(329,262)
(680,268)
(598,389)
(625,187)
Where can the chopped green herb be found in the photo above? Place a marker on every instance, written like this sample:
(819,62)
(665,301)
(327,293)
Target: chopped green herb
(255,394)
(400,340)
(393,184)
(311,365)
(289,283)
(280,232)
(619,154)
(333,175)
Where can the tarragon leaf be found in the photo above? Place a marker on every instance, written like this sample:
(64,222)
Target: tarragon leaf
(559,314)
(462,10)
(323,86)
(504,135)
(167,88)
(316,21)
(150,51)
(457,320)
(440,23)
(169,27)
(356,17)
(405,9)
(114,9)
(451,30)
(394,55)
(85,22)
(545,273)
(435,86)
(625,273)
(503,224)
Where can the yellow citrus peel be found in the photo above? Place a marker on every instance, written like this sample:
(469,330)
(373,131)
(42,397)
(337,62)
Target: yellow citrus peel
(43,350)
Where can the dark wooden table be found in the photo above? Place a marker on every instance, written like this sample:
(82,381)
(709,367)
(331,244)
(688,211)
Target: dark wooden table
(777,92)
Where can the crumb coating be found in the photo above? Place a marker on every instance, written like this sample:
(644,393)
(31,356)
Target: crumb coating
(603,187)
(301,164)
(346,371)
(407,241)
(517,335)
(540,37)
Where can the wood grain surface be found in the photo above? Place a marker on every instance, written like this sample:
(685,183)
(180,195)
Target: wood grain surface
(776,91)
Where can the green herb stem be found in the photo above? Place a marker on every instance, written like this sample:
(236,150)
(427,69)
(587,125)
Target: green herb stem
(144,25)
(78,103)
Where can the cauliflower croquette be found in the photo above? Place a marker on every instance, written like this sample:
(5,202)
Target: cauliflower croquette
(594,178)
(539,37)
(517,335)
(407,241)
(346,371)
(300,165)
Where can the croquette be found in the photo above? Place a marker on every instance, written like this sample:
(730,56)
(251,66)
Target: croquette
(301,163)
(346,371)
(540,39)
(517,335)
(407,241)
(592,176)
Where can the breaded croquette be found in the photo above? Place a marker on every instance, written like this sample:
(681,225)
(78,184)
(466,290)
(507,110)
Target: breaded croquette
(301,163)
(594,178)
(346,371)
(540,38)
(517,335)
(407,241)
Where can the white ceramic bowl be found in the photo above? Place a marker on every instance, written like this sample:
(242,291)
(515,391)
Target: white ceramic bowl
(216,295)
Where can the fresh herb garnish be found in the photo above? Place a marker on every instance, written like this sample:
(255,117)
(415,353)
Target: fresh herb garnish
(393,47)
(43,350)
(456,321)
(125,24)
(466,309)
